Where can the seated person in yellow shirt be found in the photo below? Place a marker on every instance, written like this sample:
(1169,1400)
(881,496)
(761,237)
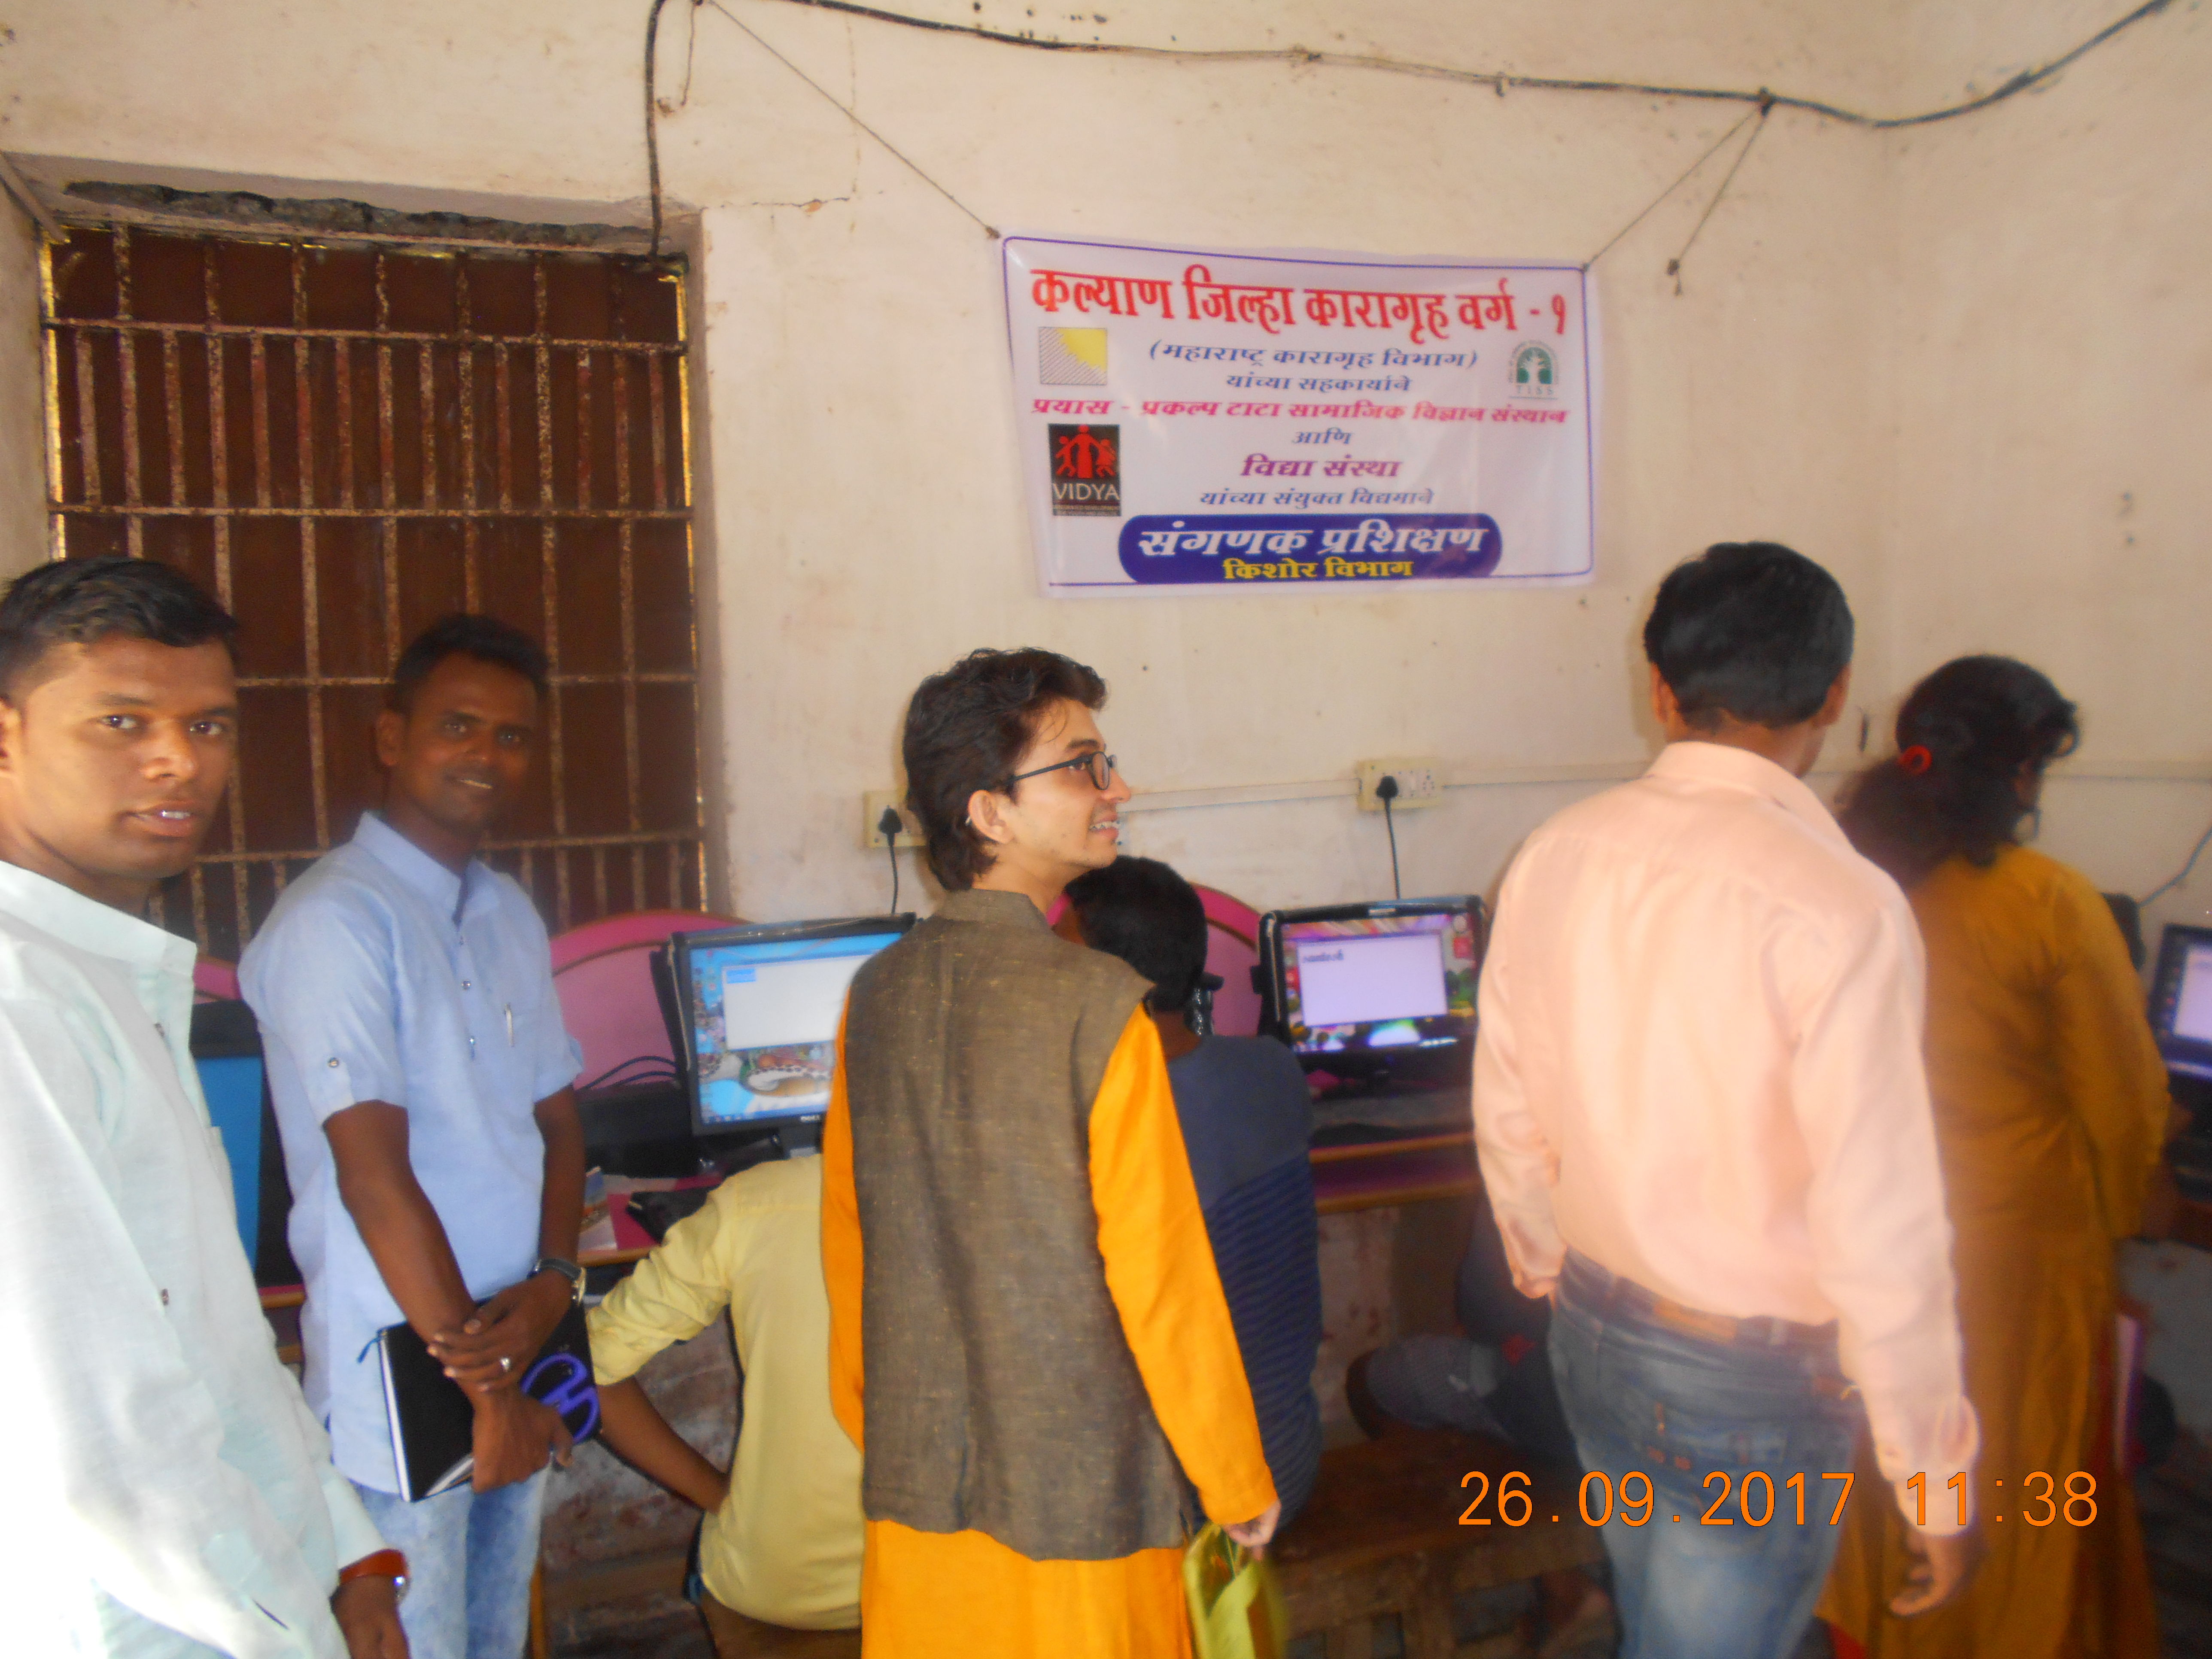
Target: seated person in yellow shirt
(781,1540)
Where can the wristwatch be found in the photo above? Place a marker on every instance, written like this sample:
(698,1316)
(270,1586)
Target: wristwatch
(568,1270)
(383,1563)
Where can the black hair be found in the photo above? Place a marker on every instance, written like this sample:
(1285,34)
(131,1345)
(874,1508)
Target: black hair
(1141,910)
(1749,629)
(464,634)
(1965,736)
(79,601)
(966,729)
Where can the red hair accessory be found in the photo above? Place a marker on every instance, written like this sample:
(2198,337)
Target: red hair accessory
(1915,760)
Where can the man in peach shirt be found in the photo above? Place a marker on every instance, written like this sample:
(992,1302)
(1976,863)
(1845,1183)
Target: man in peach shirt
(1704,1123)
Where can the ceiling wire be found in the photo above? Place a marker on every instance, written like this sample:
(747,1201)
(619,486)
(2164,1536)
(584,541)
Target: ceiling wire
(691,57)
(1501,81)
(1675,264)
(1764,102)
(1670,190)
(913,165)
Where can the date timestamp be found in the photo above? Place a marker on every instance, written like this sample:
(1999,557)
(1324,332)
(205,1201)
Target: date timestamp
(1759,1499)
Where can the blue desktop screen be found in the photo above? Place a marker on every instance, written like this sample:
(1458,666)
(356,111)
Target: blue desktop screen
(764,1024)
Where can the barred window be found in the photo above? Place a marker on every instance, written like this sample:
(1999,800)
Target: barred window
(345,441)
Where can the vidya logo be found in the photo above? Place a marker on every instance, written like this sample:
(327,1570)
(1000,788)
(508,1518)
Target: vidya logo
(1086,471)
(1534,372)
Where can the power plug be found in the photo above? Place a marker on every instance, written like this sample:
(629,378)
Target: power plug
(1421,783)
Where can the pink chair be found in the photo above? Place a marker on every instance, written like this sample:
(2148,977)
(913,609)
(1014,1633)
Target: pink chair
(215,980)
(602,972)
(1232,950)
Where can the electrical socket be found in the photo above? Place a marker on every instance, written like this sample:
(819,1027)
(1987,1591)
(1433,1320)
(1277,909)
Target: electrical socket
(1421,783)
(872,813)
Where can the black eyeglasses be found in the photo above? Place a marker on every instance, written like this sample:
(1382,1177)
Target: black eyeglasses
(1100,769)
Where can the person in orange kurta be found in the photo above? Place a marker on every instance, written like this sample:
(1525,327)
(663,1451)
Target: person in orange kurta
(2050,1104)
(1028,1338)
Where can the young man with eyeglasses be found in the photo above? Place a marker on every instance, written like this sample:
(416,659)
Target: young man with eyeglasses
(1027,1337)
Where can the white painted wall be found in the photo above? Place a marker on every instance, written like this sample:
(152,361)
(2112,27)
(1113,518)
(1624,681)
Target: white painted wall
(870,526)
(22,408)
(2050,351)
(1866,360)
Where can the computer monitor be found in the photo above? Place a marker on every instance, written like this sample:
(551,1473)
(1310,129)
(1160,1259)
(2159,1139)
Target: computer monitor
(2181,1000)
(1380,992)
(760,1006)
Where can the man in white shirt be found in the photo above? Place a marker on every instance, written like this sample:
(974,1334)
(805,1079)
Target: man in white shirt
(172,1494)
(1703,1124)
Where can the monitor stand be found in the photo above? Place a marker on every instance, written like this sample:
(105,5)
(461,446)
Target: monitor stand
(801,1139)
(734,1152)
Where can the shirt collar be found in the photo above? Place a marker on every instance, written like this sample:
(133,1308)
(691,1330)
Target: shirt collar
(91,926)
(1727,767)
(991,908)
(417,867)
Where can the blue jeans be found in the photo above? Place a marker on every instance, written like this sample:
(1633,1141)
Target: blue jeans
(1649,1395)
(470,1557)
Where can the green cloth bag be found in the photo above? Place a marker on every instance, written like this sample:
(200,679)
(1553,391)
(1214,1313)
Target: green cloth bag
(1237,1609)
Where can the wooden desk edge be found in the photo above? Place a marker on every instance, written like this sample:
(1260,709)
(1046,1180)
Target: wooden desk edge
(1383,1197)
(292,1295)
(1365,1149)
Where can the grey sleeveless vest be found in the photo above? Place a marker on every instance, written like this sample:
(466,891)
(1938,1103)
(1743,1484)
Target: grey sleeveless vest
(1001,1395)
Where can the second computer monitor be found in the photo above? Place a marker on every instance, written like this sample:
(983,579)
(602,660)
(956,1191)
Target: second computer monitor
(761,1004)
(2181,1000)
(1368,991)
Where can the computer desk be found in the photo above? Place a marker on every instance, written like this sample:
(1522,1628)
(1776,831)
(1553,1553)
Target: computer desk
(1365,1176)
(1429,1152)
(1373,1175)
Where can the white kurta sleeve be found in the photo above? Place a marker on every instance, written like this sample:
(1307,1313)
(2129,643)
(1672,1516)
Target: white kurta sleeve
(119,1442)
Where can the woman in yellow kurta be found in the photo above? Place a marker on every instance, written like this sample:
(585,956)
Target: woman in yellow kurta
(2051,1102)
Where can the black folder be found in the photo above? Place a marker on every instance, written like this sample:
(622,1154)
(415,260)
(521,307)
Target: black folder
(434,1424)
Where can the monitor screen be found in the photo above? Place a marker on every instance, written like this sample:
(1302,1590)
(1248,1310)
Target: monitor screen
(2193,1008)
(763,1005)
(1353,981)
(2181,1000)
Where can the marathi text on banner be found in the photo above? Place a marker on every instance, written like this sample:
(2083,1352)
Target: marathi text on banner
(1191,416)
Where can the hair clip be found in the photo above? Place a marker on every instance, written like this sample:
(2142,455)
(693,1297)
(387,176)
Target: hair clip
(1914,760)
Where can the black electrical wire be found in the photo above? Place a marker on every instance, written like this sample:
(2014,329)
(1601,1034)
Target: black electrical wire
(638,1068)
(887,825)
(1764,100)
(653,122)
(1498,81)
(2165,887)
(1386,791)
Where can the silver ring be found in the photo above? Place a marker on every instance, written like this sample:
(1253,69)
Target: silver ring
(505,1363)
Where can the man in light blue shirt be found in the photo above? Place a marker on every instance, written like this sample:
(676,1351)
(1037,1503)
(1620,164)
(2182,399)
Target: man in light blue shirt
(422,1080)
(171,1496)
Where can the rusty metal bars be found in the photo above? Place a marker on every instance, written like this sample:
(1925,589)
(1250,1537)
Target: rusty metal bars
(604,371)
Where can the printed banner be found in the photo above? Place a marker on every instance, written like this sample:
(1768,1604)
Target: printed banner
(1252,420)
